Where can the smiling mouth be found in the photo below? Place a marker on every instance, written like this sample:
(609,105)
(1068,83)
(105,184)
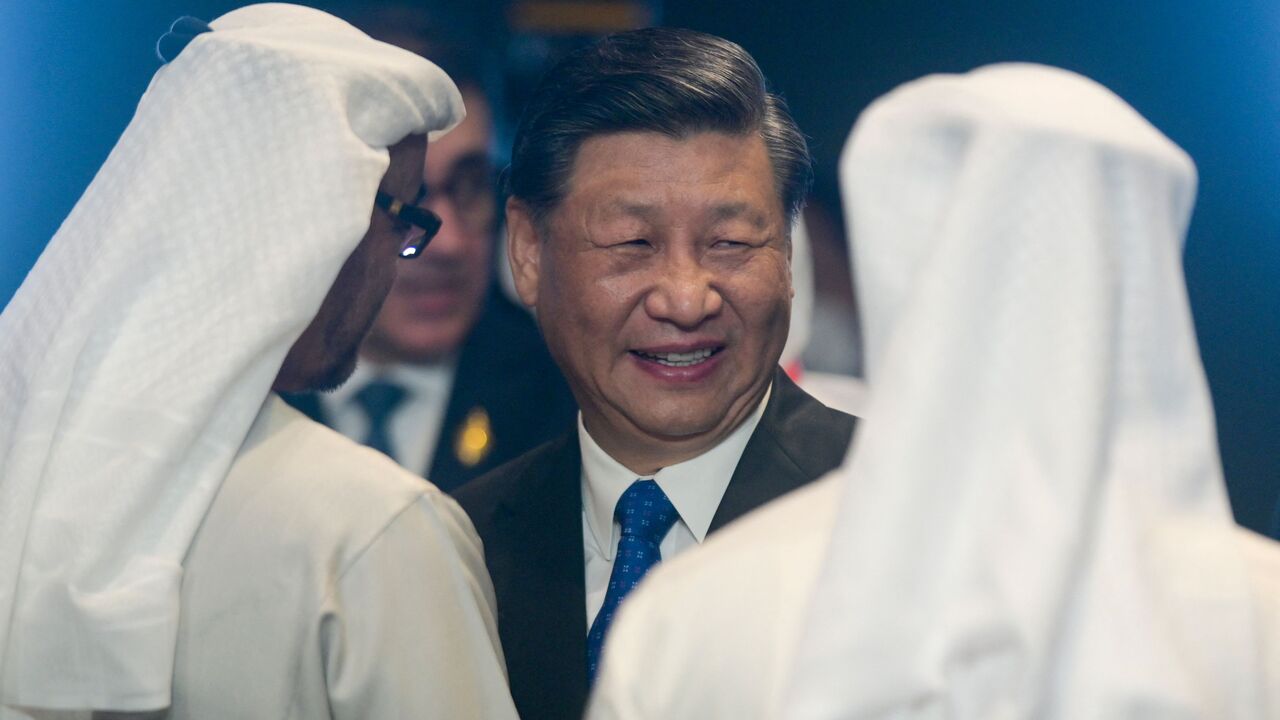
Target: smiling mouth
(678,359)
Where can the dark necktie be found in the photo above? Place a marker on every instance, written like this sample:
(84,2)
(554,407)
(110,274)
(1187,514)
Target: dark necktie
(379,400)
(645,514)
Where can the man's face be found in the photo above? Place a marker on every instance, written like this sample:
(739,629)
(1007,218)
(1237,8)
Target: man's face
(438,297)
(662,284)
(324,356)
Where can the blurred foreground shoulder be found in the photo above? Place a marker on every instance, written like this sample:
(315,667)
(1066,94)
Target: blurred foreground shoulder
(327,581)
(729,612)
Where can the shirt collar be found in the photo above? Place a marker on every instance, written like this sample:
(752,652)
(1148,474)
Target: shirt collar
(694,486)
(418,380)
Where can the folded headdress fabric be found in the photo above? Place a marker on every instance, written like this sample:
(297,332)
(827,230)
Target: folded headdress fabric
(1034,521)
(139,349)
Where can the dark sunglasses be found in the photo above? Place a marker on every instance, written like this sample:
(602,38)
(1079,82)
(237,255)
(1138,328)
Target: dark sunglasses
(425,223)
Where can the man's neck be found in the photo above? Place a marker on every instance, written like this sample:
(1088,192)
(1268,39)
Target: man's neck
(645,454)
(647,460)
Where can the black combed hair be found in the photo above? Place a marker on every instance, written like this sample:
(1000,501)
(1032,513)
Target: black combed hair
(666,80)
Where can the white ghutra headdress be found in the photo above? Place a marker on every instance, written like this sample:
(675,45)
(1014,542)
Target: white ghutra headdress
(138,351)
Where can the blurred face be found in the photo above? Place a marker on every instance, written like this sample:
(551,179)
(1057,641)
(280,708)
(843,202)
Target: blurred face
(324,355)
(662,284)
(438,297)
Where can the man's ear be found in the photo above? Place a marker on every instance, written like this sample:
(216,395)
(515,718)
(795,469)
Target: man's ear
(524,250)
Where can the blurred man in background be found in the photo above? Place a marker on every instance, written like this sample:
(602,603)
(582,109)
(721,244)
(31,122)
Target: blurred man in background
(454,378)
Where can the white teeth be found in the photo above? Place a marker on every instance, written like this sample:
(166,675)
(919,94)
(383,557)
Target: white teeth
(678,359)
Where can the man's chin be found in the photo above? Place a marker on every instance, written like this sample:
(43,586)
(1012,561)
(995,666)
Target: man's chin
(684,418)
(335,375)
(679,427)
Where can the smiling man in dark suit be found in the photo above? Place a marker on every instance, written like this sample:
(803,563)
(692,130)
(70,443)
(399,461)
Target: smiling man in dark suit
(653,183)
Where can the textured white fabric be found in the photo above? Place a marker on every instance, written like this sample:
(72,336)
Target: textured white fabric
(138,351)
(326,582)
(711,634)
(1034,522)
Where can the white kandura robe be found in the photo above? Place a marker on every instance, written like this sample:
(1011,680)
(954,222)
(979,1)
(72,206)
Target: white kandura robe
(140,348)
(326,581)
(1032,521)
(715,634)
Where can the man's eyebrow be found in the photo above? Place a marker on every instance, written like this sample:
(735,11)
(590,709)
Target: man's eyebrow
(644,211)
(736,211)
(719,213)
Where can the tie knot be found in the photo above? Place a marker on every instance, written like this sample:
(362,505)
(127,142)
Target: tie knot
(645,512)
(379,399)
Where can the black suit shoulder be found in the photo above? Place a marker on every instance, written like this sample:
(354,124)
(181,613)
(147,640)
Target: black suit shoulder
(797,441)
(810,434)
(527,513)
(483,495)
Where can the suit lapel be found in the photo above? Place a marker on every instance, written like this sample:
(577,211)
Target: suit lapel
(798,440)
(542,589)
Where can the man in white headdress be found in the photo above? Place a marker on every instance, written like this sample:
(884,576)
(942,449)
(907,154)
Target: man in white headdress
(1032,520)
(173,538)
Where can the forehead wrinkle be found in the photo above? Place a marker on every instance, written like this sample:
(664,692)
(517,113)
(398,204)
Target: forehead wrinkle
(705,180)
(716,213)
(738,211)
(631,208)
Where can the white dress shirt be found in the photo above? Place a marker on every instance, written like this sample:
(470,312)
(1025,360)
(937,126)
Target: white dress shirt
(415,424)
(694,486)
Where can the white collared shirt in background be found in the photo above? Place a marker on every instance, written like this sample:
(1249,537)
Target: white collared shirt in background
(694,486)
(415,424)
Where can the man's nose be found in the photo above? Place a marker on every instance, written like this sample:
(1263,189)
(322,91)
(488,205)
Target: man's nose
(685,293)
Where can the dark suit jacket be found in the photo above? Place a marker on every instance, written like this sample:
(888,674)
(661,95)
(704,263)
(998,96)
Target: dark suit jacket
(505,371)
(529,515)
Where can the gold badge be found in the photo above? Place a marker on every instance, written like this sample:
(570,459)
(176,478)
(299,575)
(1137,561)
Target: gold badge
(474,438)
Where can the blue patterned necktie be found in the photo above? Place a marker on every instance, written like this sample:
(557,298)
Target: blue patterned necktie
(645,514)
(379,400)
